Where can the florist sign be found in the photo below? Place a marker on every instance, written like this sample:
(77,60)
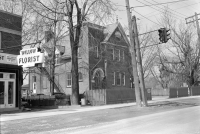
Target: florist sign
(29,57)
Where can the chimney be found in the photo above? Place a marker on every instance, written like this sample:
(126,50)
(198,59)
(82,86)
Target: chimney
(48,36)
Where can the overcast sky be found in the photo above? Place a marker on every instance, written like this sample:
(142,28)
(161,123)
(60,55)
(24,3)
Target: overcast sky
(149,15)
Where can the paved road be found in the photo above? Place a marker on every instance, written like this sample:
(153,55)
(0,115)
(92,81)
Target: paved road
(17,116)
(182,121)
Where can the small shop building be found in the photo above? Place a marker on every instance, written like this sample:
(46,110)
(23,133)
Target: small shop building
(11,78)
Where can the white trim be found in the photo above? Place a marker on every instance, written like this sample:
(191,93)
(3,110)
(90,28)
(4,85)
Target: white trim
(6,79)
(6,30)
(114,44)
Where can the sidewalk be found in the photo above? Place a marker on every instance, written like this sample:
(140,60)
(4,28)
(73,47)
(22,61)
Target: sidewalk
(74,109)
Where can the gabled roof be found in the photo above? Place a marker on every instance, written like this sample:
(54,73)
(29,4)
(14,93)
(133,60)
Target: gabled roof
(109,30)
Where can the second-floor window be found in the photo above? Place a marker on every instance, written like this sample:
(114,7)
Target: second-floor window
(117,56)
(80,76)
(96,51)
(45,82)
(122,55)
(34,78)
(123,79)
(69,80)
(112,54)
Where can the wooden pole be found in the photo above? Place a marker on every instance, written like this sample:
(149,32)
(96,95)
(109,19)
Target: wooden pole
(133,57)
(139,60)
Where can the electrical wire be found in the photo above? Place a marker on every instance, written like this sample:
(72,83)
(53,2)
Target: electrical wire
(160,3)
(176,9)
(161,11)
(172,9)
(147,18)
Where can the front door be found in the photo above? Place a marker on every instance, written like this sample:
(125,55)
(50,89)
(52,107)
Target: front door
(7,93)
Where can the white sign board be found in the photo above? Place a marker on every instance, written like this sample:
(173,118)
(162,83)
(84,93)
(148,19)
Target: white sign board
(29,57)
(8,59)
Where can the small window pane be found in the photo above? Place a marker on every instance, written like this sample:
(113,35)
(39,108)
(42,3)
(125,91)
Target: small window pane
(34,78)
(69,80)
(12,76)
(113,77)
(123,79)
(1,75)
(118,75)
(80,76)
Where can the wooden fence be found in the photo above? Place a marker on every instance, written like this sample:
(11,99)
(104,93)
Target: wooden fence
(178,92)
(112,96)
(160,92)
(196,90)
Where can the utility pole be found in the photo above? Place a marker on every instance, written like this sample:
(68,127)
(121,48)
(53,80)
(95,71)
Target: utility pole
(139,60)
(197,23)
(198,32)
(133,56)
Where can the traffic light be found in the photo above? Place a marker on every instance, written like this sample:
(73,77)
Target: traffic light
(161,34)
(166,35)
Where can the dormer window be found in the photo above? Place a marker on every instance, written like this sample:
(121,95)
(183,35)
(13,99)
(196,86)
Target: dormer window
(118,35)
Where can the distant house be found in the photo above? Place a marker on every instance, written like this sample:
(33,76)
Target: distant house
(103,57)
(25,90)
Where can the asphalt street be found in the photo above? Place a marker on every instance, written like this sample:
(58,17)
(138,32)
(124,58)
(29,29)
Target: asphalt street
(182,121)
(163,116)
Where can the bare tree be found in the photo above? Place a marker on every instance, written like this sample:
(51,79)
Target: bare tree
(183,62)
(74,13)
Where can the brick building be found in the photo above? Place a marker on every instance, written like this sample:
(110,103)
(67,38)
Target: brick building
(10,72)
(104,61)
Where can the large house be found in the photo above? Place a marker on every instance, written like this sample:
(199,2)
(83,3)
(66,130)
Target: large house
(103,57)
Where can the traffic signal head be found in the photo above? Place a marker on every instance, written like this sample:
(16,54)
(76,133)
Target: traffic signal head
(166,35)
(161,34)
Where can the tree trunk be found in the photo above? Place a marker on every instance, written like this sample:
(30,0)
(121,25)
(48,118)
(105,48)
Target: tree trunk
(75,82)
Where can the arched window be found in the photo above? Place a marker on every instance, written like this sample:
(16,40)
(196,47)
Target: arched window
(97,79)
(98,76)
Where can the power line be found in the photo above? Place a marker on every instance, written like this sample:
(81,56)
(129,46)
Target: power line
(147,18)
(175,15)
(160,3)
(176,9)
(161,9)
(171,9)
